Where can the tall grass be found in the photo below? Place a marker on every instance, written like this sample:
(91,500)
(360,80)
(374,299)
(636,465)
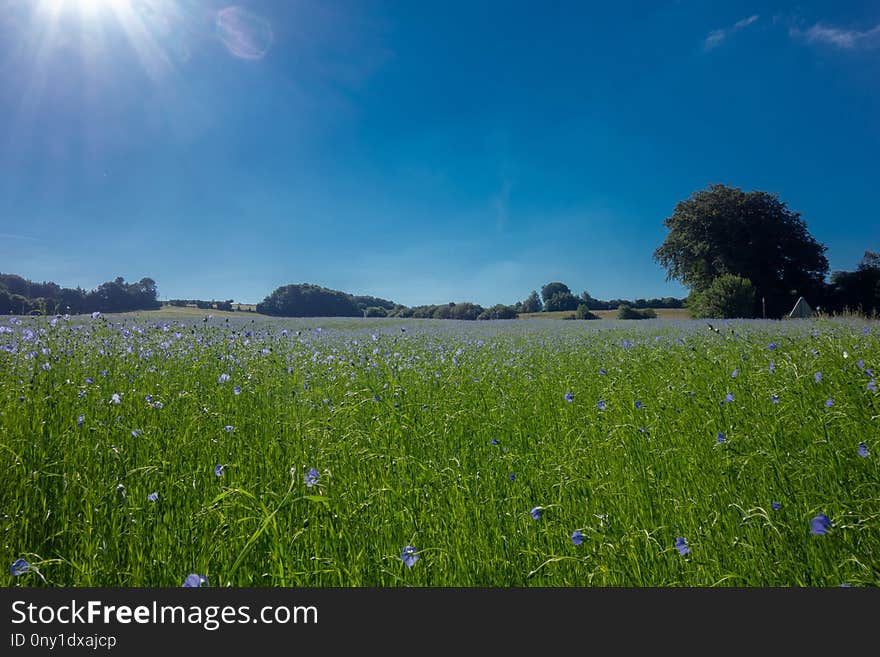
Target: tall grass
(443,436)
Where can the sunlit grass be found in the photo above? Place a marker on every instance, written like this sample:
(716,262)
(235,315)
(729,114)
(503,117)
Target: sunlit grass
(441,435)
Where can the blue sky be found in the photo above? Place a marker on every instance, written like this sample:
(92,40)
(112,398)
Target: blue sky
(421,152)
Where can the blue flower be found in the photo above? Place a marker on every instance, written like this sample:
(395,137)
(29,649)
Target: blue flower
(569,397)
(152,497)
(721,438)
(409,556)
(872,385)
(536,512)
(820,524)
(312,477)
(817,377)
(681,545)
(772,367)
(228,428)
(638,403)
(601,404)
(861,364)
(771,346)
(774,399)
(775,505)
(79,420)
(195,581)
(115,399)
(577,537)
(494,441)
(236,390)
(734,374)
(602,372)
(218,470)
(19,567)
(728,397)
(863,450)
(829,402)
(96,315)
(511,476)
(223,378)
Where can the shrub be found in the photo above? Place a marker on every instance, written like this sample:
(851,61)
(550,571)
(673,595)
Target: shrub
(727,296)
(583,312)
(625,311)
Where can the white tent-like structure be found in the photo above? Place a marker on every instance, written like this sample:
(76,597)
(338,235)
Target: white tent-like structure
(801,310)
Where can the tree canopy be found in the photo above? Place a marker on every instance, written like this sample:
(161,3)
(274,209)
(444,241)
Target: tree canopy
(21,297)
(859,289)
(724,230)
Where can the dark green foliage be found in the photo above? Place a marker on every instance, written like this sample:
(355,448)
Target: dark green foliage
(724,230)
(363,302)
(307,300)
(532,304)
(598,304)
(728,296)
(857,290)
(583,312)
(375,311)
(26,297)
(561,301)
(498,311)
(625,311)
(552,289)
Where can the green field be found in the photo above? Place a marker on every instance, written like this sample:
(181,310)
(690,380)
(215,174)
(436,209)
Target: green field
(143,448)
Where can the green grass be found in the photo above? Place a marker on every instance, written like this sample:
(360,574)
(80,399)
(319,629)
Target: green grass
(400,425)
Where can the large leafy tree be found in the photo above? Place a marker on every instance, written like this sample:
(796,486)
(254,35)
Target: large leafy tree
(558,296)
(724,230)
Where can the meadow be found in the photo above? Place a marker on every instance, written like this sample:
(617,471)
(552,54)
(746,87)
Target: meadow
(140,449)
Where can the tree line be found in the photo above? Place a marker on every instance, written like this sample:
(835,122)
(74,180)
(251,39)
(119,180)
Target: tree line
(20,296)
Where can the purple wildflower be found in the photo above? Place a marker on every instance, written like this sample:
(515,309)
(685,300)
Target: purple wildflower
(409,556)
(681,545)
(19,567)
(863,450)
(820,525)
(195,581)
(577,537)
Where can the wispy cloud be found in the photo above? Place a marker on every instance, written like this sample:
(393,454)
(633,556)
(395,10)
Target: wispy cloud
(716,37)
(13,236)
(840,38)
